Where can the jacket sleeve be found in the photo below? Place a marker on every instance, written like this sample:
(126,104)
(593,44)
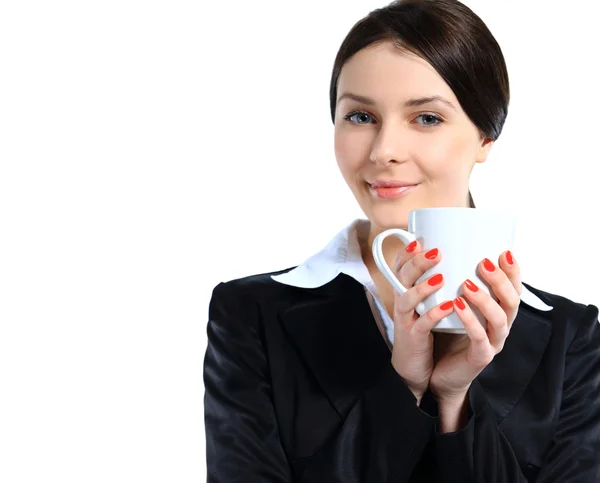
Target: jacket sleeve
(242,435)
(575,452)
(479,452)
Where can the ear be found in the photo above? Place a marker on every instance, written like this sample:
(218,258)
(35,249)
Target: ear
(484,149)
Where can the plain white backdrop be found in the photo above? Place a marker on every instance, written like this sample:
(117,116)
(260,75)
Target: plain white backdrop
(150,150)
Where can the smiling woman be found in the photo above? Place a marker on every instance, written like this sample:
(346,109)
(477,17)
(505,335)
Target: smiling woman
(410,126)
(323,373)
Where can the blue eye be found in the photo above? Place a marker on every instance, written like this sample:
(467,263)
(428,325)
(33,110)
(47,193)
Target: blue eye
(362,117)
(431,116)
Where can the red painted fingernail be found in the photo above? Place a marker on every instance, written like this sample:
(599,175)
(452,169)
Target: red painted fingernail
(431,254)
(459,303)
(489,266)
(435,280)
(471,286)
(447,305)
(509,257)
(411,246)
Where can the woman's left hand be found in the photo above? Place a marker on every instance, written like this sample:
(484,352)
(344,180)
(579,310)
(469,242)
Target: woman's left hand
(459,359)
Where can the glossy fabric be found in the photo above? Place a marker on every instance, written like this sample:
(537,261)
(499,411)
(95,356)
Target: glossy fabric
(299,388)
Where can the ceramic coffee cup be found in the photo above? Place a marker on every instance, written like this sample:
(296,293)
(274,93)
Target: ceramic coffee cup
(464,236)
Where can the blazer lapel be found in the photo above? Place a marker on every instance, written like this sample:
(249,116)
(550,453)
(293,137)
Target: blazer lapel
(509,373)
(336,335)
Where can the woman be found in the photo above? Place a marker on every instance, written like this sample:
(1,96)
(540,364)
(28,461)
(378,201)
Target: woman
(323,373)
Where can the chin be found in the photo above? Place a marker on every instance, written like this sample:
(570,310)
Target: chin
(390,217)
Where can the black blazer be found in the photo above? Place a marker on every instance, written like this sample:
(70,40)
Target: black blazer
(299,387)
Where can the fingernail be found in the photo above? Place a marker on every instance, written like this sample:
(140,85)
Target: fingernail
(489,266)
(431,254)
(411,246)
(435,280)
(459,303)
(471,286)
(509,257)
(447,305)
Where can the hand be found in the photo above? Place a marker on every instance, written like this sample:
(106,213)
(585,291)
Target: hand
(459,359)
(412,353)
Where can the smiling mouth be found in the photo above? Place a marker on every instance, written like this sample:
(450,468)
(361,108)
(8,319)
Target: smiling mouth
(391,192)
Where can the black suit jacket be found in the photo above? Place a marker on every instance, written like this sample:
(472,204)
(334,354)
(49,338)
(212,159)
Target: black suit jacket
(299,387)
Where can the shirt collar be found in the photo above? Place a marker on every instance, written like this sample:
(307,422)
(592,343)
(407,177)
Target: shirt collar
(343,255)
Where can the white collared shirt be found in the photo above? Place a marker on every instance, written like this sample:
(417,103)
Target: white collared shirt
(343,255)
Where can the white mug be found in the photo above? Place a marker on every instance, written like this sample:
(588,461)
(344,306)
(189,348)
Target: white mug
(464,236)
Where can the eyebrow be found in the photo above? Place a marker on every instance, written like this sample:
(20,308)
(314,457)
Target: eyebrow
(415,102)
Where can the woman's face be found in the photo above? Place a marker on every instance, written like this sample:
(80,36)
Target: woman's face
(380,135)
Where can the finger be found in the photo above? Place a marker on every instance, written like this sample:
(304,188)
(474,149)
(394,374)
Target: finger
(511,268)
(410,250)
(426,322)
(495,315)
(502,287)
(480,352)
(410,269)
(405,304)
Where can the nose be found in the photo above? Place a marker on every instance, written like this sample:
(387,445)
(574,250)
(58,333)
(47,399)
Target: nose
(388,146)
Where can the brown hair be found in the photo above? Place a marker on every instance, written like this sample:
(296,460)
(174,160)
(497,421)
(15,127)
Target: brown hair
(454,40)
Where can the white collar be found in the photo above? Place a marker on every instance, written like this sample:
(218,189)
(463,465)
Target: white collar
(343,255)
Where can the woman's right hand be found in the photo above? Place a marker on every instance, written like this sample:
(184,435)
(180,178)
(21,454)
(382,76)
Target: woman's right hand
(412,353)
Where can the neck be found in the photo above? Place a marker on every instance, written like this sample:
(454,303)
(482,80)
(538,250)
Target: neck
(391,247)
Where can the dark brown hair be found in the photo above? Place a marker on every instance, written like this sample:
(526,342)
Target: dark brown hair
(454,40)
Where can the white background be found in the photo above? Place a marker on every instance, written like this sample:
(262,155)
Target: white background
(150,150)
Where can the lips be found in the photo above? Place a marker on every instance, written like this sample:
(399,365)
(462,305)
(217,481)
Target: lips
(391,193)
(391,184)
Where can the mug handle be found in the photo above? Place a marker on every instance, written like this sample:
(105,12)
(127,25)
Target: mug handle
(407,238)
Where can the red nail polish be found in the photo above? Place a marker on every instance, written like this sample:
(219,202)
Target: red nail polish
(471,286)
(489,266)
(447,305)
(509,257)
(411,246)
(431,254)
(459,303)
(435,280)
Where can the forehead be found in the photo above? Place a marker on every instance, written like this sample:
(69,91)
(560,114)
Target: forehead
(383,71)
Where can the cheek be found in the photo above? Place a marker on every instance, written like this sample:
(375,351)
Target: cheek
(351,150)
(447,155)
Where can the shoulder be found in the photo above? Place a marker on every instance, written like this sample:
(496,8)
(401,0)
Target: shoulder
(249,286)
(567,316)
(244,298)
(560,302)
(556,300)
